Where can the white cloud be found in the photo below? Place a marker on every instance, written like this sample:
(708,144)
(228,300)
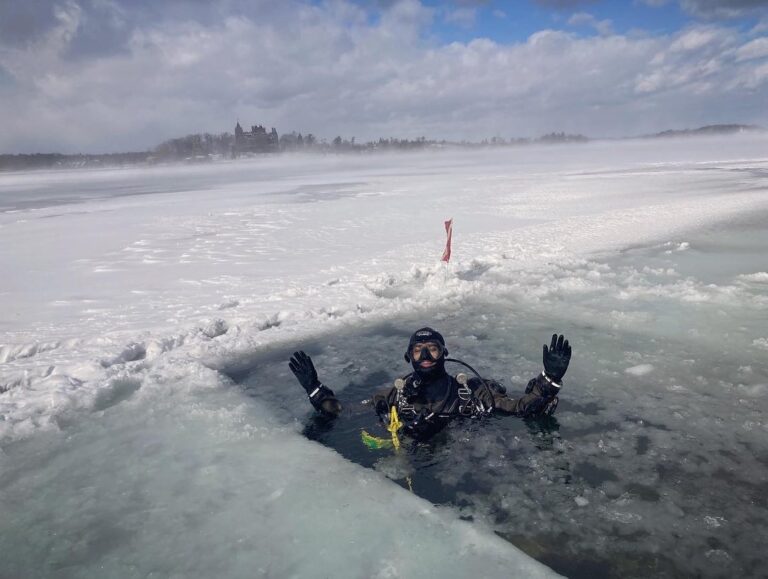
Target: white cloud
(603,27)
(723,8)
(761,26)
(754,78)
(464,17)
(331,70)
(697,60)
(757,48)
(695,39)
(715,9)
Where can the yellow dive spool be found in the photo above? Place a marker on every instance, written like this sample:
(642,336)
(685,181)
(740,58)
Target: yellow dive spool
(376,443)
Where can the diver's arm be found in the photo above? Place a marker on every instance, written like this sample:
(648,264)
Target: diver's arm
(325,402)
(540,396)
(322,398)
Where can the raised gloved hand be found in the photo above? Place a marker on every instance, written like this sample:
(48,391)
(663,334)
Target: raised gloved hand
(302,367)
(557,357)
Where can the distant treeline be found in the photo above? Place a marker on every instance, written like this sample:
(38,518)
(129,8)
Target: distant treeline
(204,147)
(200,147)
(710,130)
(195,146)
(57,160)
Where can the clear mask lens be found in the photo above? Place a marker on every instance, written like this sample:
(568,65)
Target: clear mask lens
(435,350)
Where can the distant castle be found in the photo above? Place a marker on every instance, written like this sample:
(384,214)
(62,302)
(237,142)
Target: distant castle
(257,140)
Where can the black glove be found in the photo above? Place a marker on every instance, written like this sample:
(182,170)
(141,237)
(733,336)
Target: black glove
(421,427)
(302,367)
(557,357)
(382,410)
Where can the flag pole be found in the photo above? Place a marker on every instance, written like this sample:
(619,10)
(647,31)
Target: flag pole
(449,234)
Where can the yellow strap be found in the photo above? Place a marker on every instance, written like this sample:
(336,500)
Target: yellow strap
(394,426)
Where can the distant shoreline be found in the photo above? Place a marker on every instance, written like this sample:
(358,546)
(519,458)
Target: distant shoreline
(52,161)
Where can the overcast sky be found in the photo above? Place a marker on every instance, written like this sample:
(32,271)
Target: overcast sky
(117,75)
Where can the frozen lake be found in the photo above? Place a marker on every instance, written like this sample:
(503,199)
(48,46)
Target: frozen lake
(149,426)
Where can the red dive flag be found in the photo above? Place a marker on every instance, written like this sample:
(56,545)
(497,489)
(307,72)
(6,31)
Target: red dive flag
(449,232)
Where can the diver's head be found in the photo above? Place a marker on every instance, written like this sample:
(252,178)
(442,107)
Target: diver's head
(426,352)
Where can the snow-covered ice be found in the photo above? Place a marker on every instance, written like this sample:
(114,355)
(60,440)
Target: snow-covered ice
(136,298)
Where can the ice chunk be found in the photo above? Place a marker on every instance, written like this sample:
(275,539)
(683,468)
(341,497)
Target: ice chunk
(639,370)
(761,343)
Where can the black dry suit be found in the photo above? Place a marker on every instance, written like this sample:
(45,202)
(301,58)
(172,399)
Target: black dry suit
(429,398)
(426,412)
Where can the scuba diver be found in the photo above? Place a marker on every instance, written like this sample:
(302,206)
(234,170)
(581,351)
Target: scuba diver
(428,398)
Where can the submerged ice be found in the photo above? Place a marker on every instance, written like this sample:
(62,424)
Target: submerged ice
(149,425)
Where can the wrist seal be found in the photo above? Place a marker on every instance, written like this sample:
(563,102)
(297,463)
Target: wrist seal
(551,380)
